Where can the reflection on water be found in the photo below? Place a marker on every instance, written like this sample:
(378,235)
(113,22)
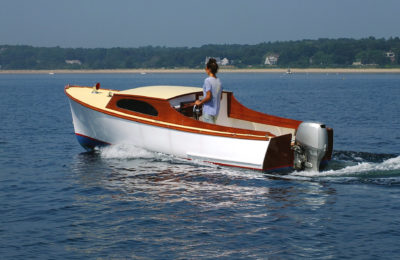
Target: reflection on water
(186,207)
(129,197)
(163,177)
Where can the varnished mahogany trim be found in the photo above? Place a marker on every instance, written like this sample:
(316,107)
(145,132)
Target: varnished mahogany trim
(239,111)
(279,153)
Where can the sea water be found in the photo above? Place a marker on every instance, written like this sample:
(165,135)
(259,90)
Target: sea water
(122,202)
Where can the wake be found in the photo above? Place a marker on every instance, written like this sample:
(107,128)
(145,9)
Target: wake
(387,167)
(345,165)
(356,167)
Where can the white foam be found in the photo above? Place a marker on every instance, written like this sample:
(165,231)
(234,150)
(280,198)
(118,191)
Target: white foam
(124,152)
(392,164)
(360,169)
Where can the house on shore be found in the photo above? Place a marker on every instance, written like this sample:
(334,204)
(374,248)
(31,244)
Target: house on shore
(222,62)
(391,56)
(78,62)
(271,59)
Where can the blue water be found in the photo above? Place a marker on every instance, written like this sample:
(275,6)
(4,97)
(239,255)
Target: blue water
(59,202)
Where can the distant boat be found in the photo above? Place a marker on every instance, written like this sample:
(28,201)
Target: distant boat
(143,73)
(51,73)
(288,71)
(164,119)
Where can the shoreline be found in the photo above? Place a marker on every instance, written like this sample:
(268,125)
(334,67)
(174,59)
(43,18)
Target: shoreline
(145,71)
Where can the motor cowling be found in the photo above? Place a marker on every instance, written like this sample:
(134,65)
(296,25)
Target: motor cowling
(310,146)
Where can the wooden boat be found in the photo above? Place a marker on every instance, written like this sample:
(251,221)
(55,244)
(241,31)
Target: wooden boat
(162,119)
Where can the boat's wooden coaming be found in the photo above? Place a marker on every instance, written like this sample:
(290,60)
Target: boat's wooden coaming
(166,113)
(239,111)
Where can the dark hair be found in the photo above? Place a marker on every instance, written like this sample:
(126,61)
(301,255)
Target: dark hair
(212,66)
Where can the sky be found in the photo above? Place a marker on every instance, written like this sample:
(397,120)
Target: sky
(191,23)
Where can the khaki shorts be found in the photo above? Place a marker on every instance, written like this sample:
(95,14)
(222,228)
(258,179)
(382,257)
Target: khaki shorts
(209,118)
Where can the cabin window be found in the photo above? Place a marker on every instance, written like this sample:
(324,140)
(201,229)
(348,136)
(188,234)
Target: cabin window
(137,106)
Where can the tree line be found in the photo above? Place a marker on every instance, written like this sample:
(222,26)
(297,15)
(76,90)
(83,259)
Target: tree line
(321,53)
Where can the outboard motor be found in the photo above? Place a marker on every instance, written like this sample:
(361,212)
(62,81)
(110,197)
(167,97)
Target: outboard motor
(310,146)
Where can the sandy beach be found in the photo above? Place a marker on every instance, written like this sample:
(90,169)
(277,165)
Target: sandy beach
(144,71)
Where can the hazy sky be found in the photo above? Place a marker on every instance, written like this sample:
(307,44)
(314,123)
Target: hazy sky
(191,23)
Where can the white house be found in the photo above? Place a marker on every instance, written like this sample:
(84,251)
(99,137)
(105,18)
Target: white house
(271,59)
(222,62)
(73,62)
(391,56)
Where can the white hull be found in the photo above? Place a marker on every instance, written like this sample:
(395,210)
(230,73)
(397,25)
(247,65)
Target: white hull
(92,124)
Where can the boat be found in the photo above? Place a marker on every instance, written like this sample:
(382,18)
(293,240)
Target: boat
(164,119)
